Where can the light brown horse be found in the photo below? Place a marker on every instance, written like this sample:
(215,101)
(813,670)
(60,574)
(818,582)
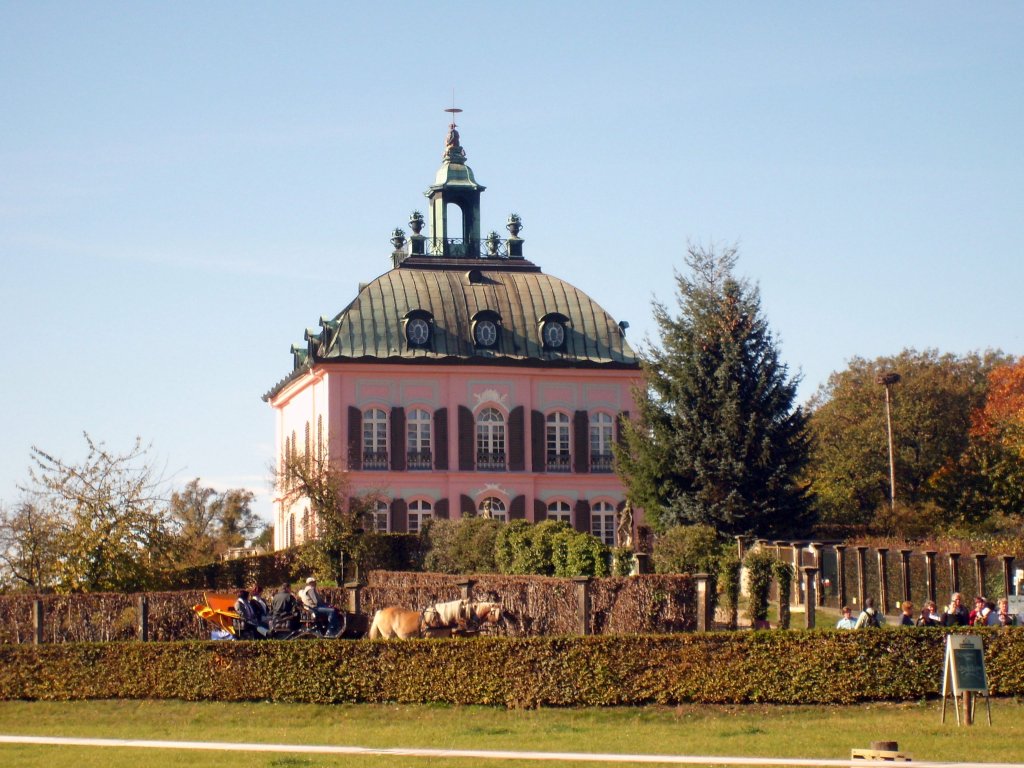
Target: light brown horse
(440,620)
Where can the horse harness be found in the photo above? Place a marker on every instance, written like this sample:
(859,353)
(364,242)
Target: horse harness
(465,619)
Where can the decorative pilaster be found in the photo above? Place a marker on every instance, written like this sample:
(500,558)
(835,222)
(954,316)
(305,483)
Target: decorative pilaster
(905,572)
(929,574)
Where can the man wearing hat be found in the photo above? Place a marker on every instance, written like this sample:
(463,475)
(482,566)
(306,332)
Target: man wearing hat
(312,600)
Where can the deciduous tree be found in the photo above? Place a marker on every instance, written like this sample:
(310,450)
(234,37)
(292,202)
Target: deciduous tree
(336,514)
(29,556)
(932,407)
(719,440)
(113,529)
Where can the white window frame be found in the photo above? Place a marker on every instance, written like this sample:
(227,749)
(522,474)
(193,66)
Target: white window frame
(419,427)
(602,437)
(499,511)
(560,510)
(558,441)
(490,438)
(375,438)
(602,521)
(420,510)
(381,515)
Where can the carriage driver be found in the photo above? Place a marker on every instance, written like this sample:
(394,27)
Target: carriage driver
(312,600)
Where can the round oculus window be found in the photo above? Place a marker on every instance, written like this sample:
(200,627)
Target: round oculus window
(485,333)
(417,331)
(554,334)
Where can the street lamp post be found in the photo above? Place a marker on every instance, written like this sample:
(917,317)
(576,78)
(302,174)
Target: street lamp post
(887,380)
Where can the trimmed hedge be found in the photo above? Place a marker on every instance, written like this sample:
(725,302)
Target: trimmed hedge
(809,667)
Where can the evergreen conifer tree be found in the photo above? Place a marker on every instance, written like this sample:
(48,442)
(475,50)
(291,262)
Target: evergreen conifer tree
(718,440)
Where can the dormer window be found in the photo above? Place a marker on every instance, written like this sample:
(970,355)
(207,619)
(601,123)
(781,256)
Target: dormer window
(486,328)
(552,331)
(485,333)
(418,329)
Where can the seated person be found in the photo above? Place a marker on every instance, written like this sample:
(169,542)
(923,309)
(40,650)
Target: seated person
(260,610)
(847,622)
(284,608)
(248,618)
(929,617)
(312,600)
(907,619)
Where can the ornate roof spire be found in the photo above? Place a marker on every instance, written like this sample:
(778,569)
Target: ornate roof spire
(453,151)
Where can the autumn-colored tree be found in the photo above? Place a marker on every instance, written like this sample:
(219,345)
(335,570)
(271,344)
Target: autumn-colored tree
(209,523)
(932,408)
(986,482)
(28,547)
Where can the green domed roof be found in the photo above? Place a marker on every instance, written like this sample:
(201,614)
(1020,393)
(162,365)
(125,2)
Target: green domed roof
(519,298)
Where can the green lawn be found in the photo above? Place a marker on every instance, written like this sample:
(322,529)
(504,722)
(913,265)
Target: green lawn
(767,731)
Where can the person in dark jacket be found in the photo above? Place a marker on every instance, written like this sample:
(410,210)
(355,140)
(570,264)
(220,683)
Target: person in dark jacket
(956,614)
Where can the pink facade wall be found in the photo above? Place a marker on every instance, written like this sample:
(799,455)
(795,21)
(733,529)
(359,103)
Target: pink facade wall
(325,396)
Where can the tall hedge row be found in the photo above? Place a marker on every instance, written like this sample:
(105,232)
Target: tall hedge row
(818,667)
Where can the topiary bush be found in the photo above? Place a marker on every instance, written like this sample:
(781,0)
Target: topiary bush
(466,545)
(579,554)
(688,549)
(783,573)
(759,567)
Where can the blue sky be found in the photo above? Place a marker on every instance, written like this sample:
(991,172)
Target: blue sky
(185,187)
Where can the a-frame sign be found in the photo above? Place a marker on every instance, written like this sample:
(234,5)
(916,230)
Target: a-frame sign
(964,673)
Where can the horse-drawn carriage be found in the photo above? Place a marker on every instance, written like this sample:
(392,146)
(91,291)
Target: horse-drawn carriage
(228,624)
(454,618)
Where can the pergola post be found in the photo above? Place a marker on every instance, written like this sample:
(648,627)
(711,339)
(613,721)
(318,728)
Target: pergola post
(862,576)
(841,573)
(905,572)
(929,574)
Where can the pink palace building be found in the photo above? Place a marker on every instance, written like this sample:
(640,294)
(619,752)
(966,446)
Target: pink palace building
(463,380)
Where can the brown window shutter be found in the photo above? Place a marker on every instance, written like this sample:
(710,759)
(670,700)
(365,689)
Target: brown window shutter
(540,511)
(441,509)
(397,438)
(581,441)
(466,439)
(466,506)
(517,440)
(517,509)
(537,440)
(440,436)
(399,516)
(581,517)
(355,438)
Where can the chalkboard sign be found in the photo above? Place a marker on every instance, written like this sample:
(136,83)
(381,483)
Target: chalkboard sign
(965,663)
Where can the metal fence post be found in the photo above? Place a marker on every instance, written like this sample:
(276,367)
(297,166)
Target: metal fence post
(705,618)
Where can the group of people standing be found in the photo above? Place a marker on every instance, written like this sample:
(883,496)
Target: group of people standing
(284,609)
(986,613)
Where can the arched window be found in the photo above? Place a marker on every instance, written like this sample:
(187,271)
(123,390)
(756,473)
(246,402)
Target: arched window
(490,440)
(601,434)
(557,441)
(602,522)
(290,532)
(381,517)
(305,525)
(494,508)
(561,511)
(417,443)
(375,438)
(419,512)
